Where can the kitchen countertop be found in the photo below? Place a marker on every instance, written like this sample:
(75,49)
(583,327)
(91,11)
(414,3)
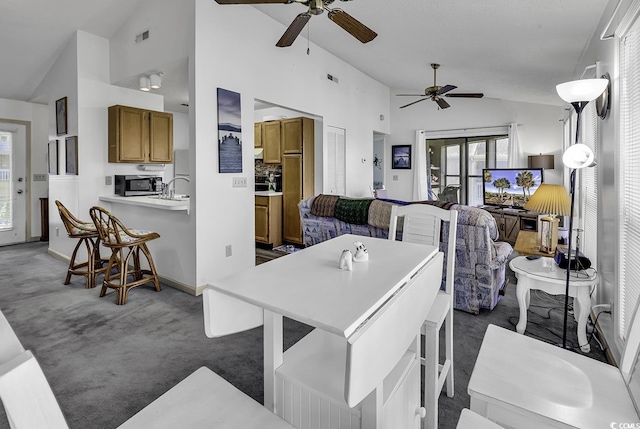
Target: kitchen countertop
(149,201)
(267,193)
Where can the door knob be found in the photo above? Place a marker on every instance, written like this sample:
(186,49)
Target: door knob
(20,191)
(20,179)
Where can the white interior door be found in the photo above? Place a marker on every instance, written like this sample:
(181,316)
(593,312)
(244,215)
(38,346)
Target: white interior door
(13,183)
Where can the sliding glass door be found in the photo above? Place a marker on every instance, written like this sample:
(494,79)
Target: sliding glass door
(455,166)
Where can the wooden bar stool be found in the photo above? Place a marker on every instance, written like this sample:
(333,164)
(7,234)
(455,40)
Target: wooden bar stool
(123,272)
(87,235)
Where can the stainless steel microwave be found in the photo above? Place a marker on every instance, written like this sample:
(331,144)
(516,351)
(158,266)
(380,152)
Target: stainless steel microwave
(133,186)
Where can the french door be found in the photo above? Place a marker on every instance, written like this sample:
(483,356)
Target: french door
(13,184)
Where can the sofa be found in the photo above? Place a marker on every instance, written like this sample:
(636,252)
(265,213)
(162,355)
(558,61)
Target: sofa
(480,259)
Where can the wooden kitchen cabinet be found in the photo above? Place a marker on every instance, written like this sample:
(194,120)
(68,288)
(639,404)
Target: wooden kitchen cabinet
(295,133)
(269,219)
(297,176)
(257,134)
(140,136)
(271,143)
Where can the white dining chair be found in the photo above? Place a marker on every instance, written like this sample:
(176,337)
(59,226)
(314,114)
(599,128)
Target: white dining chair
(10,345)
(521,382)
(422,224)
(202,400)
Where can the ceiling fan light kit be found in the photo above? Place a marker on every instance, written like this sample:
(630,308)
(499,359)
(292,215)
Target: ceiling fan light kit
(315,7)
(435,92)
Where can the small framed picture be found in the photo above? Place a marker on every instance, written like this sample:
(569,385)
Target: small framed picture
(71,155)
(52,157)
(61,116)
(401,157)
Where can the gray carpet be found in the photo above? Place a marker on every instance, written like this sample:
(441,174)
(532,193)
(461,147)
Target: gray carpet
(105,362)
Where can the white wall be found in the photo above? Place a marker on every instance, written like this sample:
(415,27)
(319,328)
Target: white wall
(87,57)
(226,51)
(286,77)
(34,116)
(540,130)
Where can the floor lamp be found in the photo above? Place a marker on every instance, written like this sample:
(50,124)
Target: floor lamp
(578,93)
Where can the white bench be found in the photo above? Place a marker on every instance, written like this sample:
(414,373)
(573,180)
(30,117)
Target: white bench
(520,382)
(202,400)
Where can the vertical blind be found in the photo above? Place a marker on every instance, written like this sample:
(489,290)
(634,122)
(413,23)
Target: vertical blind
(628,178)
(589,181)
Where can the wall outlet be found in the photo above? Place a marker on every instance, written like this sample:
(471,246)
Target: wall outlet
(39,177)
(57,232)
(108,180)
(227,250)
(239,182)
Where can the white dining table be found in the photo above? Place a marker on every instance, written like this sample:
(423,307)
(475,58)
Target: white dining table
(308,286)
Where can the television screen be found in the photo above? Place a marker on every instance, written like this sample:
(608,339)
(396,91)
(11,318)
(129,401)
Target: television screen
(510,187)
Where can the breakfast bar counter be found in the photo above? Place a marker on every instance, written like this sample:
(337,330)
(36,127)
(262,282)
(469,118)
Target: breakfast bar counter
(151,201)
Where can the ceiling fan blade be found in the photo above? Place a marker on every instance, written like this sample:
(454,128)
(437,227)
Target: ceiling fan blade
(445,89)
(466,95)
(411,95)
(294,30)
(251,1)
(407,105)
(442,103)
(352,25)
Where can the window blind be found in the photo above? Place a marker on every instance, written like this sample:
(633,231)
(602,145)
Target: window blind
(628,179)
(589,180)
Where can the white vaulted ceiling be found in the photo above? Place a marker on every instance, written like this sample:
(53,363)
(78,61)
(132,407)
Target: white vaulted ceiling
(507,49)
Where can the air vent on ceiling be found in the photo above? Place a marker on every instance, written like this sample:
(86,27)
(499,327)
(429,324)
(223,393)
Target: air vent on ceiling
(142,36)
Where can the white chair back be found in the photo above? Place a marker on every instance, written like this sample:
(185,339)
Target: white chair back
(369,360)
(224,315)
(26,395)
(10,345)
(422,225)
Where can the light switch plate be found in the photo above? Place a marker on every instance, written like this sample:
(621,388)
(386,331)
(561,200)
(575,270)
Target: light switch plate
(39,177)
(239,182)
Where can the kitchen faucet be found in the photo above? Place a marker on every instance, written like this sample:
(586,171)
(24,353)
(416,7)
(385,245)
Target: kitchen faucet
(167,192)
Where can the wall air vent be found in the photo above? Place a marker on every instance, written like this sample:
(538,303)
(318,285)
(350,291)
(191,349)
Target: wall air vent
(142,36)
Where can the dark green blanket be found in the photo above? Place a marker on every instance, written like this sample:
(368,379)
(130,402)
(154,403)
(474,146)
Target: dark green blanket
(351,211)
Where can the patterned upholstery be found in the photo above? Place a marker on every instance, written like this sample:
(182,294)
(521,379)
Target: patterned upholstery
(480,260)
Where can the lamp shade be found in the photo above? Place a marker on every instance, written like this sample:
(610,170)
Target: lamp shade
(578,156)
(145,84)
(581,90)
(551,199)
(541,161)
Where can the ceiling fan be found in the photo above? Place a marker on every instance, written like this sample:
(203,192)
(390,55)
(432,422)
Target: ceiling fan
(435,92)
(316,7)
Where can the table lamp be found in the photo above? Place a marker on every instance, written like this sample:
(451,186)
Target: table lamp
(554,200)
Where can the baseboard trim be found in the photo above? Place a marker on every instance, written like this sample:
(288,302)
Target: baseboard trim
(58,255)
(604,326)
(195,291)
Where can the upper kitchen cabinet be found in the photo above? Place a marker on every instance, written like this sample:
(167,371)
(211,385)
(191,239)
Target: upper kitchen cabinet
(267,135)
(295,132)
(257,134)
(140,136)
